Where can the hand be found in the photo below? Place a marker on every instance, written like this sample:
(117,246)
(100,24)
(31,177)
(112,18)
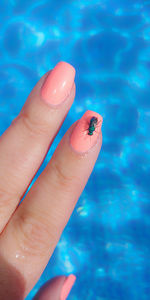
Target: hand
(29,231)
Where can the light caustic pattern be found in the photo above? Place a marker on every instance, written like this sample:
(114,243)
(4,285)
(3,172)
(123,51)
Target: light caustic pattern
(107,240)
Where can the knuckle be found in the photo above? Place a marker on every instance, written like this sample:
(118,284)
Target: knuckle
(61,177)
(32,234)
(32,124)
(5,200)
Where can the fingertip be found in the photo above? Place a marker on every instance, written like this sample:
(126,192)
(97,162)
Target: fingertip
(67,286)
(58,84)
(58,288)
(86,133)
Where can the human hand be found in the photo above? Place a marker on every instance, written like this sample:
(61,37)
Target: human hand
(29,232)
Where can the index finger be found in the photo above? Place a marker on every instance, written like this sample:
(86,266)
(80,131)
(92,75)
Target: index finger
(25,143)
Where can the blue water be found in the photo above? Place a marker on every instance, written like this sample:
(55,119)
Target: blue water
(107,240)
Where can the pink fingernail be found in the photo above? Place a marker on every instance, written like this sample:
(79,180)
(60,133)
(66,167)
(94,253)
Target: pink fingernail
(67,286)
(86,132)
(58,84)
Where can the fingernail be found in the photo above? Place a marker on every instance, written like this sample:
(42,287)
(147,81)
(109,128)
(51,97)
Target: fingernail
(58,84)
(67,286)
(85,134)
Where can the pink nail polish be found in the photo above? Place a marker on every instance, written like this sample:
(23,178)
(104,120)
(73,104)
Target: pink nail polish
(86,132)
(67,286)
(58,84)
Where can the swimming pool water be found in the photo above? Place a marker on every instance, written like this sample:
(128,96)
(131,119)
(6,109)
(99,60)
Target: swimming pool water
(107,240)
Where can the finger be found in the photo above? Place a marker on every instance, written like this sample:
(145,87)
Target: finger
(37,224)
(26,142)
(57,288)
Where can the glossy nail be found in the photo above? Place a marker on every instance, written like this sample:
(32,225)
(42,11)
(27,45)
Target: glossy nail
(67,286)
(58,84)
(86,131)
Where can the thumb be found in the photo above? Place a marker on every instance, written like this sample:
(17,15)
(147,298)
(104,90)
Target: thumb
(58,288)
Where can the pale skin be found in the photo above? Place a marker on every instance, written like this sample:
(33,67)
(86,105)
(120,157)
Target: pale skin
(30,232)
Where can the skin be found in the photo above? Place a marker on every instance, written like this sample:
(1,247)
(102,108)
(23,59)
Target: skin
(29,232)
